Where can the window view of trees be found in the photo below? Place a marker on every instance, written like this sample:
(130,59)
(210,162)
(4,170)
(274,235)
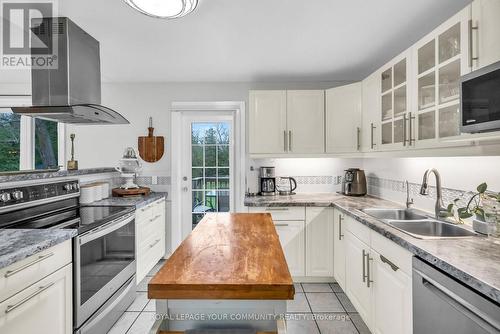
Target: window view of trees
(10,141)
(210,144)
(45,144)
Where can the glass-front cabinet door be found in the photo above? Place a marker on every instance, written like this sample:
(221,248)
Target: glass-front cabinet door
(440,61)
(395,116)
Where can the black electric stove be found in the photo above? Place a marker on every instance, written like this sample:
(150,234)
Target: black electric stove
(53,205)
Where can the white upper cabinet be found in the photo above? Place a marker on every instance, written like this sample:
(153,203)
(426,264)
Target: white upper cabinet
(306,121)
(370,134)
(485,30)
(343,119)
(440,59)
(267,122)
(287,122)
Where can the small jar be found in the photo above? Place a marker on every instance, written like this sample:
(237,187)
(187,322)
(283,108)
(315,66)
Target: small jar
(491,207)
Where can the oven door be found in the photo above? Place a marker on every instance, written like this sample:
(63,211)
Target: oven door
(104,259)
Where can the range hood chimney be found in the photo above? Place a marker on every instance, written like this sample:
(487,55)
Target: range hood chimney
(71,92)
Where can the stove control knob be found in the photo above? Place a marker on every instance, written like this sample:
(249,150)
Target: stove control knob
(68,187)
(4,197)
(76,186)
(17,195)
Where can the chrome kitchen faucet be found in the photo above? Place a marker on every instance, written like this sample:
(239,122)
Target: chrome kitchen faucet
(440,210)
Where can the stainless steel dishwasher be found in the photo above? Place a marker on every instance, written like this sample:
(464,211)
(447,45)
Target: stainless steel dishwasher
(441,305)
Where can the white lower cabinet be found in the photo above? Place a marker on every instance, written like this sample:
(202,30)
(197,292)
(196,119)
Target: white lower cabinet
(150,237)
(319,242)
(339,248)
(357,277)
(291,234)
(44,305)
(391,307)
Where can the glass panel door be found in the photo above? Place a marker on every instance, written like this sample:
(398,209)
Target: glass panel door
(210,168)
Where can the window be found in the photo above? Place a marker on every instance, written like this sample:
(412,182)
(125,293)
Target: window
(27,143)
(10,141)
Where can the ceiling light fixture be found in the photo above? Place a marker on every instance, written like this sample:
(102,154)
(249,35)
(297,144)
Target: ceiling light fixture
(163,9)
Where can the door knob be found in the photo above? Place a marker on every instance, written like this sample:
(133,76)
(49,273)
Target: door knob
(185,178)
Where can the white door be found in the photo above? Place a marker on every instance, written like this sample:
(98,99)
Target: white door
(306,121)
(44,307)
(292,239)
(207,165)
(485,18)
(267,122)
(319,242)
(343,119)
(392,299)
(356,276)
(339,248)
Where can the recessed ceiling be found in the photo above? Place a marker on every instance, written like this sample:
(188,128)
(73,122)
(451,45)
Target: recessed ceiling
(256,40)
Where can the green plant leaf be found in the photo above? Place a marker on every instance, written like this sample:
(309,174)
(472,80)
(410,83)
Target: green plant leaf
(461,210)
(480,213)
(464,215)
(456,200)
(482,188)
(450,207)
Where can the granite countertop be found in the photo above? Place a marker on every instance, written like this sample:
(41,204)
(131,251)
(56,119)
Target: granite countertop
(137,201)
(16,245)
(47,175)
(473,261)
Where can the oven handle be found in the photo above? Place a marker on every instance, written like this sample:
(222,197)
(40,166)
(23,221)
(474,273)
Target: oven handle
(105,229)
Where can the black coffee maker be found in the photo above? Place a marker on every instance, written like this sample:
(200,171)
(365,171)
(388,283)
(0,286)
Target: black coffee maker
(267,180)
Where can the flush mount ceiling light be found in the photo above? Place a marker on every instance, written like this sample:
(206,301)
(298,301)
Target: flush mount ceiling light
(163,9)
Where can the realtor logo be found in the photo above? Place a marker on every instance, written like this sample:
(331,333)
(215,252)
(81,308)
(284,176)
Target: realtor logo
(27,40)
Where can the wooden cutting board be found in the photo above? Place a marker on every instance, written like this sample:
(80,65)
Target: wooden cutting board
(151,148)
(118,192)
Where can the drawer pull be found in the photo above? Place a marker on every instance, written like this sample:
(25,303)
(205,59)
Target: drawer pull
(392,265)
(276,209)
(154,218)
(27,265)
(41,289)
(154,243)
(280,225)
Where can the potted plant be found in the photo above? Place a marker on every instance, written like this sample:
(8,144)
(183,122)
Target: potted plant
(484,206)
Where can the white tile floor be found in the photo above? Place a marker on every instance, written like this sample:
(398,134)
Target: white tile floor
(316,309)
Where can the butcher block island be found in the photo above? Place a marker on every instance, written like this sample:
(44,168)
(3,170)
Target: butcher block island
(230,272)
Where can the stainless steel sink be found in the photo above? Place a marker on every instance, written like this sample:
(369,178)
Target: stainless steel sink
(417,224)
(394,214)
(431,229)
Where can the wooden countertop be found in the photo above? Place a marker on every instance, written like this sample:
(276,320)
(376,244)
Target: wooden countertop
(227,256)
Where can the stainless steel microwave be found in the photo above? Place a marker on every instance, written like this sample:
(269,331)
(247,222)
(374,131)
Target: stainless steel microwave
(480,100)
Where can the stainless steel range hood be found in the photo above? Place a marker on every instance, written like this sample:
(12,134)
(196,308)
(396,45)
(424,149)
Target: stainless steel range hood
(70,93)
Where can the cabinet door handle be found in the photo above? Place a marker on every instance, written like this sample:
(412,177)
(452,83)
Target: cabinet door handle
(154,243)
(404,130)
(358,133)
(285,144)
(364,266)
(280,225)
(392,265)
(27,265)
(368,276)
(290,140)
(411,139)
(340,226)
(371,135)
(471,44)
(41,289)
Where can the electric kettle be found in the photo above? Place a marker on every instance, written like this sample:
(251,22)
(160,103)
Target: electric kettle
(286,185)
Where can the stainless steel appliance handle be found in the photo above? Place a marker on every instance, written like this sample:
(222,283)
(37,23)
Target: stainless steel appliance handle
(281,225)
(358,143)
(41,289)
(364,266)
(106,229)
(369,280)
(404,130)
(290,140)
(340,226)
(471,43)
(27,265)
(285,144)
(392,265)
(371,136)
(458,303)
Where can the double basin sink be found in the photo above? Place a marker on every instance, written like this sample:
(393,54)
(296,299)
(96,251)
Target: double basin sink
(417,224)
